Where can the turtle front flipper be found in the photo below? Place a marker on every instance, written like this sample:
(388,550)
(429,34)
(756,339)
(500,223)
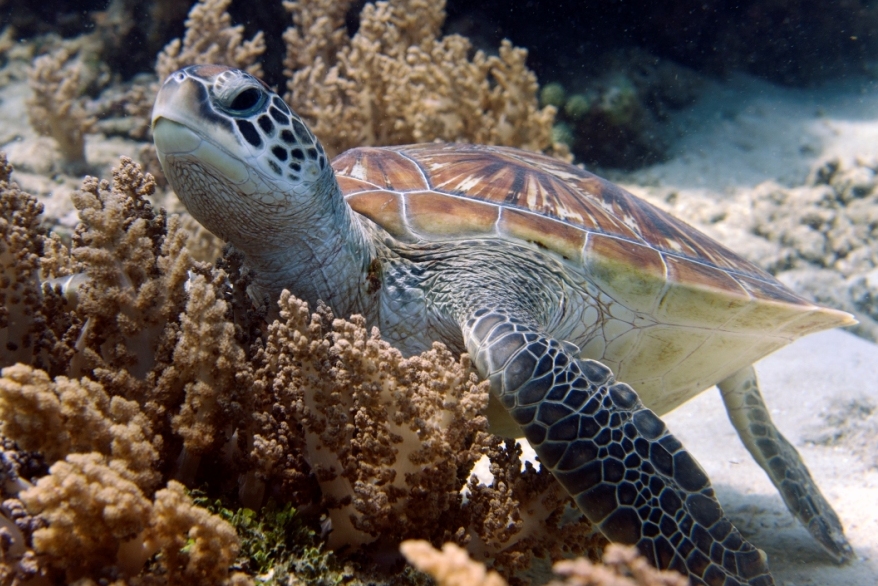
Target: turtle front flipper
(626,472)
(782,462)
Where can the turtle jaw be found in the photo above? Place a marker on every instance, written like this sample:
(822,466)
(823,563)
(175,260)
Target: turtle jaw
(173,139)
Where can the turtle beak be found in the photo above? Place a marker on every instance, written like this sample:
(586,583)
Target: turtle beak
(185,125)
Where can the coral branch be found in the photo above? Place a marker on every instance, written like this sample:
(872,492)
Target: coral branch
(397,82)
(211,38)
(56,108)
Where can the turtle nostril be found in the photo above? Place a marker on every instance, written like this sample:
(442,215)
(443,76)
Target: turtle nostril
(246,99)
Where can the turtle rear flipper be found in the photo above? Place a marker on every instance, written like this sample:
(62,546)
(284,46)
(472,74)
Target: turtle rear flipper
(782,462)
(626,472)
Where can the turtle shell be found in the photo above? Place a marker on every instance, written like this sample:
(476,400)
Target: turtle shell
(634,253)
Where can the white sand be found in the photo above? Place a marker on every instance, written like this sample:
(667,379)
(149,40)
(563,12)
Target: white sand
(803,383)
(739,135)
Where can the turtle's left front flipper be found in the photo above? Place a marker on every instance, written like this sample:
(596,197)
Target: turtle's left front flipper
(782,462)
(626,472)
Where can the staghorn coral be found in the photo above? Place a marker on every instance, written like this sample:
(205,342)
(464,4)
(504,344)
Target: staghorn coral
(622,567)
(397,82)
(211,38)
(57,107)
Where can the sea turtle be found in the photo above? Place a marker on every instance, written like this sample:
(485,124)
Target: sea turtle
(558,284)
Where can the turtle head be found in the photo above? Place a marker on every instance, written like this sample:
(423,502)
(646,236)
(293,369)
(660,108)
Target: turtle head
(235,153)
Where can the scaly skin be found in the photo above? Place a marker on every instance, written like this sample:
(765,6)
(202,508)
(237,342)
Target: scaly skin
(515,309)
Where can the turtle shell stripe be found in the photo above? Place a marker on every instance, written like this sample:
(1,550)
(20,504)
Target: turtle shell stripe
(382,168)
(505,180)
(439,214)
(550,187)
(350,185)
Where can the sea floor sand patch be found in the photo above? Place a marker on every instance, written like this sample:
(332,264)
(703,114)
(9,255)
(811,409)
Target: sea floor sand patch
(803,385)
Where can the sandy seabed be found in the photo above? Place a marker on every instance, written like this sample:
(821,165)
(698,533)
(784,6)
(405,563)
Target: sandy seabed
(743,140)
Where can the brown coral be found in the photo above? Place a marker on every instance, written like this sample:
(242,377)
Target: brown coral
(90,510)
(57,107)
(82,417)
(390,439)
(397,82)
(623,566)
(171,366)
(32,329)
(211,38)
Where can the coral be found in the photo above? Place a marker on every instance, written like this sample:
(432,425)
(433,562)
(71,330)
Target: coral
(389,438)
(90,509)
(57,108)
(97,522)
(32,329)
(449,567)
(136,264)
(523,514)
(397,82)
(170,371)
(210,366)
(818,237)
(622,567)
(83,419)
(614,114)
(211,38)
(197,547)
(21,246)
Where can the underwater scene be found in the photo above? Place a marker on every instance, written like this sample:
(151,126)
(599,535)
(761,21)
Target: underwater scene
(336,292)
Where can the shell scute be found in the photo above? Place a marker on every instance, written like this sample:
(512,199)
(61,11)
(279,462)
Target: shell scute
(698,294)
(629,269)
(382,168)
(431,213)
(545,232)
(382,207)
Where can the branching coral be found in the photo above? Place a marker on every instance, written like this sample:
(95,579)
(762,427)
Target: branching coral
(57,108)
(21,245)
(169,366)
(99,523)
(136,264)
(90,510)
(397,82)
(390,439)
(524,514)
(32,328)
(622,567)
(82,417)
(211,38)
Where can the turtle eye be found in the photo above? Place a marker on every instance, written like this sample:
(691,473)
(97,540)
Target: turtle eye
(246,101)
